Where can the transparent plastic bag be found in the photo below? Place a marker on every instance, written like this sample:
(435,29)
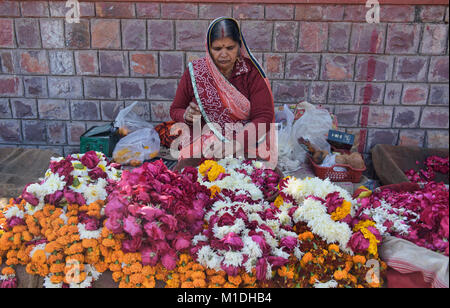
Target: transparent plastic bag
(135,148)
(127,121)
(313,126)
(288,159)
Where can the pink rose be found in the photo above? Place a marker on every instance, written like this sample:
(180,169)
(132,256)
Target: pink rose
(358,243)
(232,241)
(169,260)
(132,245)
(182,242)
(131,226)
(90,159)
(289,242)
(114,223)
(149,256)
(97,173)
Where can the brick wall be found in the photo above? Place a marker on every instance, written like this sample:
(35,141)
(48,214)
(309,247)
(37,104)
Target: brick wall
(386,82)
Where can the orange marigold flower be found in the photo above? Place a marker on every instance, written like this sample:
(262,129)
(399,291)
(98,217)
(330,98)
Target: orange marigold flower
(306,236)
(339,275)
(199,283)
(148,270)
(136,267)
(333,247)
(313,279)
(117,276)
(113,267)
(89,243)
(236,280)
(56,279)
(187,284)
(359,259)
(217,279)
(307,257)
(57,268)
(39,257)
(229,285)
(8,271)
(198,275)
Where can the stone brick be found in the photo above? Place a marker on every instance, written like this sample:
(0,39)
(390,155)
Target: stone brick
(214,10)
(148,10)
(411,137)
(144,64)
(190,35)
(415,94)
(379,116)
(160,111)
(302,66)
(35,9)
(381,136)
(403,38)
(432,13)
(347,115)
(341,93)
(439,94)
(339,37)
(410,69)
(313,36)
(434,117)
(161,89)
(99,88)
(10,86)
(310,12)
(23,108)
(7,62)
(10,131)
(318,92)
(65,87)
(35,86)
(131,88)
(397,13)
(367,38)
(105,33)
(369,93)
(59,9)
(53,109)
(160,35)
(337,67)
(393,94)
(6,33)
(289,91)
(248,11)
(27,33)
(9,8)
(78,35)
(114,9)
(274,65)
(406,117)
(437,139)
(279,12)
(179,10)
(5,110)
(113,63)
(438,69)
(355,13)
(258,35)
(85,110)
(285,36)
(142,109)
(61,63)
(52,33)
(56,132)
(374,68)
(434,39)
(171,64)
(134,34)
(110,109)
(33,62)
(86,62)
(74,132)
(34,132)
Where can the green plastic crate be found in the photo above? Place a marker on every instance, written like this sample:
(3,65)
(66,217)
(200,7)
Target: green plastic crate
(100,138)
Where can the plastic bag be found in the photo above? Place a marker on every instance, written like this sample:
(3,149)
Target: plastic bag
(313,126)
(288,160)
(128,121)
(135,148)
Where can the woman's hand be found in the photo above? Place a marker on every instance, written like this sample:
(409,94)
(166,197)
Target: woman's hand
(191,111)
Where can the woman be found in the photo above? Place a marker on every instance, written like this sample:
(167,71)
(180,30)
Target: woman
(227,86)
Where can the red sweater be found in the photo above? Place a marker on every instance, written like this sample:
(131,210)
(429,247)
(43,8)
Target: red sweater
(248,81)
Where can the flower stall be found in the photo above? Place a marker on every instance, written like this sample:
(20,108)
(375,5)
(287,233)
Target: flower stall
(211,226)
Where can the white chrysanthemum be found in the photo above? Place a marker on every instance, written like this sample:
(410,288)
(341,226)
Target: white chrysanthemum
(251,248)
(326,285)
(298,253)
(278,252)
(14,211)
(95,192)
(199,238)
(207,257)
(250,264)
(220,232)
(48,284)
(86,234)
(233,258)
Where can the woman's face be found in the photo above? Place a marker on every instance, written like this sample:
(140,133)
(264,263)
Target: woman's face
(224,52)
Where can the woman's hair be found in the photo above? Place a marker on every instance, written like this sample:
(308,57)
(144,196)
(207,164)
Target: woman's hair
(225,28)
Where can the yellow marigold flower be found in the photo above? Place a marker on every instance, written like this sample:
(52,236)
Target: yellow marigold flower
(279,201)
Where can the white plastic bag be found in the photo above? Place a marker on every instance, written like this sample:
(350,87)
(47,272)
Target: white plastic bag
(288,160)
(135,148)
(313,126)
(129,121)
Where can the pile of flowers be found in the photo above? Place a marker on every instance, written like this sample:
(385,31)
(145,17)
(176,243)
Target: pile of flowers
(420,216)
(54,228)
(432,165)
(158,211)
